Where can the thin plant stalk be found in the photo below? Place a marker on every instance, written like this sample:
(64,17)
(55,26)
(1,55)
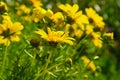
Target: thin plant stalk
(4,60)
(46,66)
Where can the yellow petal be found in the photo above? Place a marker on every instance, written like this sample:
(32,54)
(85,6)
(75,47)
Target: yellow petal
(69,38)
(63,7)
(42,33)
(49,13)
(6,42)
(86,62)
(78,14)
(16,27)
(15,38)
(49,30)
(109,35)
(1,40)
(69,42)
(75,8)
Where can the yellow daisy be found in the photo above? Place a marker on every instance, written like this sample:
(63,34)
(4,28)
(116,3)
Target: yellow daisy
(71,11)
(57,17)
(23,9)
(87,61)
(97,20)
(9,31)
(3,8)
(55,36)
(39,13)
(96,38)
(36,3)
(74,30)
(74,14)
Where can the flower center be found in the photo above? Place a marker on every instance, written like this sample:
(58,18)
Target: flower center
(6,33)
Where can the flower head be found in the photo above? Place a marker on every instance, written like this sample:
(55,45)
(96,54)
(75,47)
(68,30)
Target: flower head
(3,8)
(36,3)
(110,35)
(39,13)
(97,20)
(71,11)
(74,30)
(86,62)
(57,17)
(89,29)
(9,31)
(55,36)
(74,14)
(96,38)
(23,9)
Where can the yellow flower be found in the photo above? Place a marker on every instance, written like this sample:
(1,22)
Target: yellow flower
(74,30)
(57,17)
(9,31)
(27,18)
(87,61)
(82,21)
(55,36)
(36,3)
(23,9)
(97,20)
(39,13)
(74,14)
(110,35)
(96,38)
(3,8)
(71,11)
(89,29)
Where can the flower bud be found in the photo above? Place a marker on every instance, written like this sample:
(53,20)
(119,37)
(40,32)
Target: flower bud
(35,42)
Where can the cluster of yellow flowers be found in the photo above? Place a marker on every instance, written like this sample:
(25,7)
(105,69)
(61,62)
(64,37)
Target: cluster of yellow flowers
(90,23)
(73,22)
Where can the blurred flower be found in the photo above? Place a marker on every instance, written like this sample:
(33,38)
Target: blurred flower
(96,38)
(88,63)
(74,14)
(23,9)
(57,18)
(55,36)
(95,18)
(3,8)
(89,29)
(82,21)
(74,30)
(9,31)
(71,11)
(36,3)
(39,13)
(110,35)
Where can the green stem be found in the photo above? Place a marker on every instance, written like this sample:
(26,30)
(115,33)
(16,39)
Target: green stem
(79,44)
(34,57)
(4,61)
(45,68)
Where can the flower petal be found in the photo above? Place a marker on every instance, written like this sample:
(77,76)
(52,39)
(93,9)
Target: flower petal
(42,33)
